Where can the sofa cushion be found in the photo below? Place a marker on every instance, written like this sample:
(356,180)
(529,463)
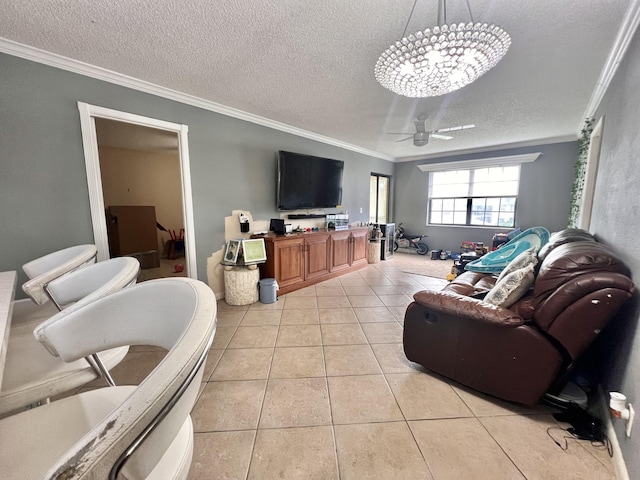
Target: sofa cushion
(471,284)
(513,286)
(524,306)
(571,273)
(449,303)
(567,235)
(525,258)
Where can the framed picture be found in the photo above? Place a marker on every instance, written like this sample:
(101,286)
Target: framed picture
(231,253)
(254,250)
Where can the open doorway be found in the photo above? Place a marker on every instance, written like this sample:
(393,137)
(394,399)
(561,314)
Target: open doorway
(140,171)
(142,164)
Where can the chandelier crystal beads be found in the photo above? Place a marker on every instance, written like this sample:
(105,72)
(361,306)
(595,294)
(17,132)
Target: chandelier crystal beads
(441,60)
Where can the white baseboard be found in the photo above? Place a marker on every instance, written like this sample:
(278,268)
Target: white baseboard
(603,410)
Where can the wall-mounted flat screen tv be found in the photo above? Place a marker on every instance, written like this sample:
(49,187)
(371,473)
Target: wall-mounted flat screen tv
(305,181)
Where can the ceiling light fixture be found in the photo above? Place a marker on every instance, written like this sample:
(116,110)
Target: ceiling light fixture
(442,59)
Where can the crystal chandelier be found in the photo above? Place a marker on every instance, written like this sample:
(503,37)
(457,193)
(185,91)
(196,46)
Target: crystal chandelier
(441,59)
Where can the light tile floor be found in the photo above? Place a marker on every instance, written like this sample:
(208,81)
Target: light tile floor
(167,268)
(316,386)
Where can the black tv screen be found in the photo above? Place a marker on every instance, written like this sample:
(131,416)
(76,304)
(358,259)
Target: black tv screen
(305,181)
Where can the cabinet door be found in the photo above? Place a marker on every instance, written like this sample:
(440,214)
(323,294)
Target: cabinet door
(289,261)
(340,250)
(317,249)
(359,240)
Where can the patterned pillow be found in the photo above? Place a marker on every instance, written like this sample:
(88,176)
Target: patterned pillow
(525,258)
(513,286)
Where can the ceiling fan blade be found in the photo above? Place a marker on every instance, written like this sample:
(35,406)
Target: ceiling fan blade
(405,139)
(441,137)
(454,129)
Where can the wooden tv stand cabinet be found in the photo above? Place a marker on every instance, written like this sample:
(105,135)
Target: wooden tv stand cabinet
(298,260)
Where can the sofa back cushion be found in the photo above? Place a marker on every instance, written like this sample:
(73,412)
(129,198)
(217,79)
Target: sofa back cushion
(567,235)
(579,287)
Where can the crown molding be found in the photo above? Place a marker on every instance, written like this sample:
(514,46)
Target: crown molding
(491,148)
(626,33)
(481,163)
(75,66)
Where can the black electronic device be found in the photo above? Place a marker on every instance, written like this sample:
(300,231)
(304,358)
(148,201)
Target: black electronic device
(305,181)
(583,425)
(276,225)
(388,234)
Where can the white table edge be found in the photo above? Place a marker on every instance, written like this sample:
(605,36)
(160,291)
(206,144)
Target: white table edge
(8,281)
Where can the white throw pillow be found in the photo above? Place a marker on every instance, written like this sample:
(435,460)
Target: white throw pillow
(525,258)
(512,287)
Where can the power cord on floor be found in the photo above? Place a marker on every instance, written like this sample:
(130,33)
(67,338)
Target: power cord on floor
(599,443)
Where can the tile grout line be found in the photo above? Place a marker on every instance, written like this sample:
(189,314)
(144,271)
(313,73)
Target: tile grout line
(264,397)
(333,427)
(406,422)
(500,446)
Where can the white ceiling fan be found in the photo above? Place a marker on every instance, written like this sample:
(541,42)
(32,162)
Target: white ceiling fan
(422,136)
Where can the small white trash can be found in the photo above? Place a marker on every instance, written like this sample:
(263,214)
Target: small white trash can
(268,288)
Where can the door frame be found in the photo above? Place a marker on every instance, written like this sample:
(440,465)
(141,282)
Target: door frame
(590,176)
(388,205)
(88,114)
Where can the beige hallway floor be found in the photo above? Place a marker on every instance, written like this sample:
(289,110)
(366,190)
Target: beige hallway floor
(316,386)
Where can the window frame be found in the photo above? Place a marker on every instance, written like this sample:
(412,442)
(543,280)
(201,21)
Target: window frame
(469,212)
(475,164)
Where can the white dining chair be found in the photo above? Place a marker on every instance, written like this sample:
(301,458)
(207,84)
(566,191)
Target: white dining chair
(43,270)
(122,432)
(31,374)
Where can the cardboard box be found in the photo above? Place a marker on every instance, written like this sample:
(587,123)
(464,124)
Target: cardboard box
(150,259)
(131,229)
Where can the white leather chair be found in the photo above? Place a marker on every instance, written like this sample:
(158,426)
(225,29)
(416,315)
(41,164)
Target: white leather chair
(40,273)
(128,432)
(43,270)
(31,374)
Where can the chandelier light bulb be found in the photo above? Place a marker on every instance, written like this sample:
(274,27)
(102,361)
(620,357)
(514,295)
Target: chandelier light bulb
(441,60)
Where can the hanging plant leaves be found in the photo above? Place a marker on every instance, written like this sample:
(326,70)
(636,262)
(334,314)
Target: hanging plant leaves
(581,168)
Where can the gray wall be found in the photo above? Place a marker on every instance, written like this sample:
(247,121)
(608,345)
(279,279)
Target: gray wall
(616,221)
(44,203)
(543,200)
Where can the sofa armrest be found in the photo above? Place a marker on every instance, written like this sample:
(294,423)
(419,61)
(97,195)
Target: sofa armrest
(450,303)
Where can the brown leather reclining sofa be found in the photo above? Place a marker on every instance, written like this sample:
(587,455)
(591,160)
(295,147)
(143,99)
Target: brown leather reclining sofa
(518,353)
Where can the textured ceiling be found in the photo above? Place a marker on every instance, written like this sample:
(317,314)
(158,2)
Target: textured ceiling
(310,64)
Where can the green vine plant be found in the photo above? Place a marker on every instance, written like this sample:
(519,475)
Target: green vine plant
(581,168)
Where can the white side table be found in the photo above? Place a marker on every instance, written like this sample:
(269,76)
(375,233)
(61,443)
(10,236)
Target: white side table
(241,284)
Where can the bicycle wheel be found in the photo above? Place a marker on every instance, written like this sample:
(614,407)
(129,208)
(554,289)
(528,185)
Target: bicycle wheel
(422,248)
